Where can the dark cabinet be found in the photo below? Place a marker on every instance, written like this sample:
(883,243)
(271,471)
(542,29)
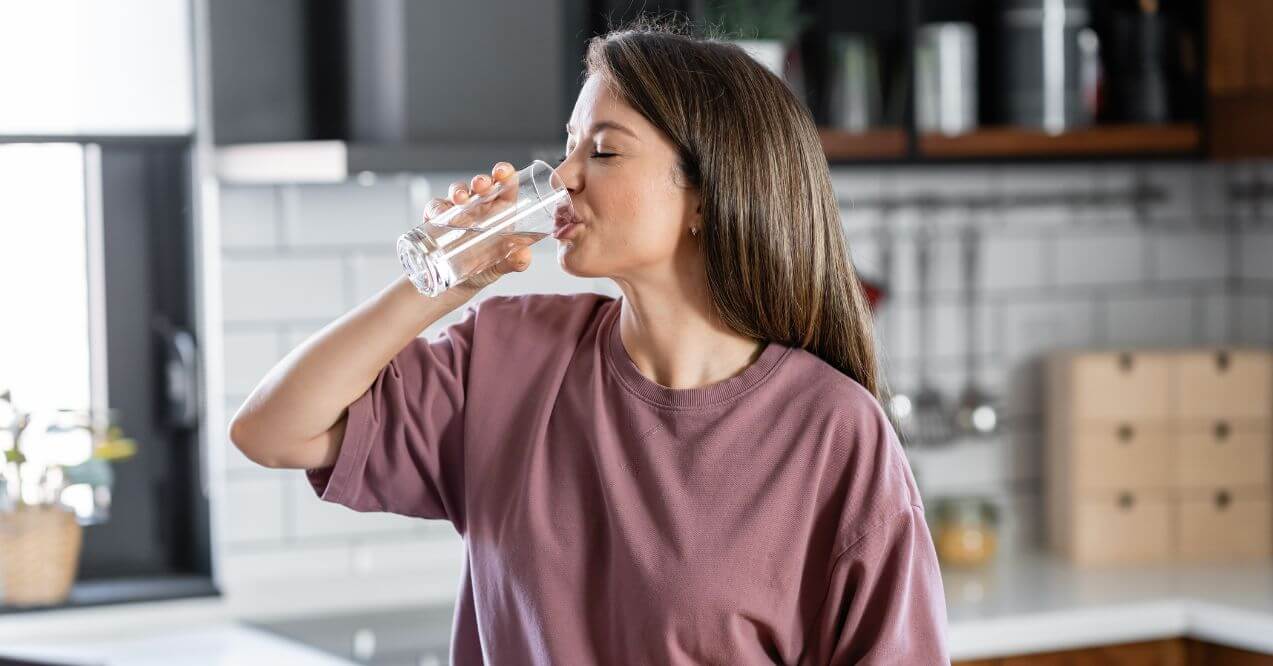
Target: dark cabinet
(1240,78)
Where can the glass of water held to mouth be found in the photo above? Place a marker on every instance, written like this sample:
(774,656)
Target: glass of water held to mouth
(469,238)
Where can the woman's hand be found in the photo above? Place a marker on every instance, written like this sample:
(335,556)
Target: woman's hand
(517,259)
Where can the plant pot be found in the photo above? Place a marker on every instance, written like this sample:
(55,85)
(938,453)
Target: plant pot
(39,555)
(771,53)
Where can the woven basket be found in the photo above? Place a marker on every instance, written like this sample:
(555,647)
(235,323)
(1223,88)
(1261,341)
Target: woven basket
(39,554)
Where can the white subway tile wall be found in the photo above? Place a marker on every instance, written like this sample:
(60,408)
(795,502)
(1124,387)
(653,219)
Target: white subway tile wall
(1194,268)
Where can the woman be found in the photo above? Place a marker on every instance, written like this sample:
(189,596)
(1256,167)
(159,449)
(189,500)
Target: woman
(697,472)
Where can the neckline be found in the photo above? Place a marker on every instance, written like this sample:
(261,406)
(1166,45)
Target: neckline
(643,387)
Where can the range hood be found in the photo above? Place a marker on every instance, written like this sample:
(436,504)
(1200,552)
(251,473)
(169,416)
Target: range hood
(335,161)
(320,91)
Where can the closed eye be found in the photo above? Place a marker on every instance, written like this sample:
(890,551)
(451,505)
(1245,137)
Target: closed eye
(562,158)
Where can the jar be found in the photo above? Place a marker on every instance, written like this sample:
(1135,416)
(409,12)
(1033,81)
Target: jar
(967,531)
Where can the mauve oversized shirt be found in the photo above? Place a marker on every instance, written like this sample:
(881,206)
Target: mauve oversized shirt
(767,518)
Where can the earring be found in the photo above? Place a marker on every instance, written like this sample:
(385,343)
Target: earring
(693,231)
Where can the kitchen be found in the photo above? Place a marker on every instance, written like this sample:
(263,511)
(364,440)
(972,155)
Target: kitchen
(1059,209)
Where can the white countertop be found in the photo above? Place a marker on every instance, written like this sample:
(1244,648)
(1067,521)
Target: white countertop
(217,644)
(1037,603)
(1022,604)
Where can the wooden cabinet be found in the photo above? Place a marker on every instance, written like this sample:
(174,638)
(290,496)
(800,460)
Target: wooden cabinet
(1170,652)
(1160,455)
(1240,78)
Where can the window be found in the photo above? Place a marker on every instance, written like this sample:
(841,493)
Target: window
(96,275)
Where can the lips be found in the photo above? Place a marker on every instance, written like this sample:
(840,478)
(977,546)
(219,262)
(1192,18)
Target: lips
(564,217)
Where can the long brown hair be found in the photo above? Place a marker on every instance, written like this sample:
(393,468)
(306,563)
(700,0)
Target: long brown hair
(777,261)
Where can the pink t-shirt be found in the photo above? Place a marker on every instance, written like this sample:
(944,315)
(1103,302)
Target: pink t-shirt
(607,519)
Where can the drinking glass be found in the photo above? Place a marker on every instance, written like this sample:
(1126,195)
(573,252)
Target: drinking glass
(469,238)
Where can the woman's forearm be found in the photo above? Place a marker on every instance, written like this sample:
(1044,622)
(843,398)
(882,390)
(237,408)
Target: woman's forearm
(294,416)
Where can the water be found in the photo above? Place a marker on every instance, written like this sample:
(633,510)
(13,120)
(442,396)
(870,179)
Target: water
(439,254)
(448,254)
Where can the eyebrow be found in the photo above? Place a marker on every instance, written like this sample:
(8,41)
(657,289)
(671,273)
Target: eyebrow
(605,124)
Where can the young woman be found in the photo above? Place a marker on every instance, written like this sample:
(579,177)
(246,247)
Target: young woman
(699,471)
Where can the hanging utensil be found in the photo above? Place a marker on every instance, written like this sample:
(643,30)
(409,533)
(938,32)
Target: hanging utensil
(975,411)
(899,404)
(929,413)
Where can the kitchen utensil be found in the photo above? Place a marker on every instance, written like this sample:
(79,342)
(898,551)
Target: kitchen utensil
(473,236)
(930,417)
(946,78)
(1050,67)
(899,404)
(856,103)
(975,410)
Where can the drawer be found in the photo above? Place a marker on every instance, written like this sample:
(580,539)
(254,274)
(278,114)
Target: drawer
(1224,453)
(1223,524)
(1225,383)
(1118,456)
(1121,385)
(1124,527)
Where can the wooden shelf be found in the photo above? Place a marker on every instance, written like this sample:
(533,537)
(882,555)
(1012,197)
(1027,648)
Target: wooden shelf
(888,143)
(1014,142)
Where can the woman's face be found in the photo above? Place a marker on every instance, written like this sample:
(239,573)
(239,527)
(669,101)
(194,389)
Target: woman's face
(621,174)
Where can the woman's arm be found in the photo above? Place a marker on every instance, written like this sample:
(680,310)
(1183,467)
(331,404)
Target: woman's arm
(295,417)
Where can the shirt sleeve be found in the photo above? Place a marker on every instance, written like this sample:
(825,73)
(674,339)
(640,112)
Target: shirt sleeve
(885,602)
(403,448)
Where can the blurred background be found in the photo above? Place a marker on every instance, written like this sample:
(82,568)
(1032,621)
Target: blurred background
(1060,208)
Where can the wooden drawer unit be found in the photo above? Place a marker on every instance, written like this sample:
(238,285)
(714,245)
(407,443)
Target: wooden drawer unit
(1119,455)
(1120,385)
(1159,454)
(1121,527)
(1224,524)
(1237,384)
(1223,453)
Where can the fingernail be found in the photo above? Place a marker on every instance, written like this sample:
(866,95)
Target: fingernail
(501,171)
(482,180)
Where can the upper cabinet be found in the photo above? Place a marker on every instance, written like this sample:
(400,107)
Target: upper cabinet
(91,68)
(318,90)
(1240,78)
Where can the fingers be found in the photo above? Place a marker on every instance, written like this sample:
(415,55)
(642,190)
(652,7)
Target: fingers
(503,172)
(516,261)
(480,184)
(458,192)
(436,207)
(507,175)
(522,259)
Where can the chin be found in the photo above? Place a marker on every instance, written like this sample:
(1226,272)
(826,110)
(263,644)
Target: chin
(575,263)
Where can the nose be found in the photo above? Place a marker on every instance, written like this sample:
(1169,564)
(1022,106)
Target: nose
(569,174)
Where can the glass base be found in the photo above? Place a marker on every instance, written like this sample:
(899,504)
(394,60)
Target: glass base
(419,256)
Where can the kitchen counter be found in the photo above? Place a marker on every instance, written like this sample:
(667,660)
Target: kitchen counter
(1022,604)
(218,644)
(1037,603)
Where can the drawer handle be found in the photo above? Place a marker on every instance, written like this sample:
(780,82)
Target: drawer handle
(1222,360)
(1125,500)
(1222,431)
(1125,361)
(1223,500)
(1125,433)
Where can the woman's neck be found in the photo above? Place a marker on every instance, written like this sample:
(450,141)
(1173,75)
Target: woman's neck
(676,340)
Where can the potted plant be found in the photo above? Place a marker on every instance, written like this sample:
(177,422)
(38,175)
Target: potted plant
(56,478)
(764,29)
